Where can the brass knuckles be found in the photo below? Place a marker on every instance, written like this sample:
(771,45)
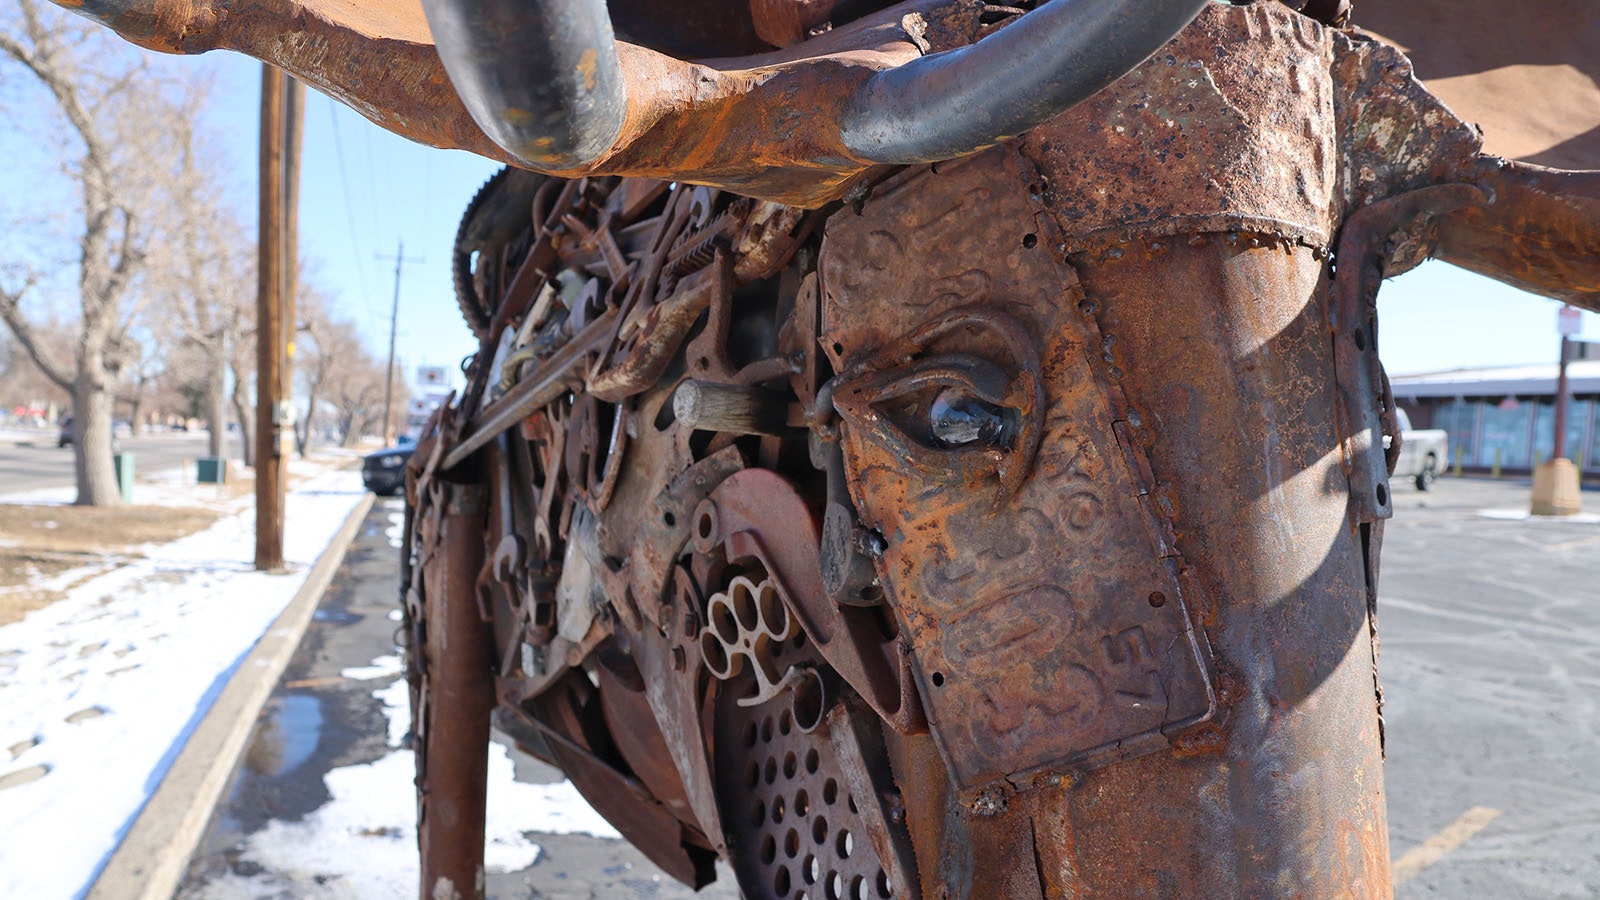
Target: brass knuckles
(896,371)
(746,621)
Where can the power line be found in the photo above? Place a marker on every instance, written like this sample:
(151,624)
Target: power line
(366,136)
(349,211)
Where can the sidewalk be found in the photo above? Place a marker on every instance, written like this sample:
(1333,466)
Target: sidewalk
(100,691)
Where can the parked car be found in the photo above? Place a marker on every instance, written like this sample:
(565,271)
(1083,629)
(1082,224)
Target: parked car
(66,436)
(384,472)
(1422,453)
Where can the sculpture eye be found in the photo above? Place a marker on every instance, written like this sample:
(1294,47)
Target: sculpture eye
(947,402)
(930,403)
(958,419)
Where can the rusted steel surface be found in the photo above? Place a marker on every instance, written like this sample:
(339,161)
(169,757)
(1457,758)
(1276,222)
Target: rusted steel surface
(1009,528)
(454,695)
(1032,563)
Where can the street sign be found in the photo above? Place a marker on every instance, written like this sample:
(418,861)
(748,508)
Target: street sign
(431,376)
(1569,321)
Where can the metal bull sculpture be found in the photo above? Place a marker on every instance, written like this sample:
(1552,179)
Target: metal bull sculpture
(896,499)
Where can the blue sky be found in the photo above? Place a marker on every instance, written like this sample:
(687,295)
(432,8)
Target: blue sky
(365,191)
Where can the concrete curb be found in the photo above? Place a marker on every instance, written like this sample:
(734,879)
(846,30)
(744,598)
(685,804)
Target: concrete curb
(151,861)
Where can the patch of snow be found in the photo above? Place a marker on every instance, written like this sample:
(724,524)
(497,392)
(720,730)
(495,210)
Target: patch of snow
(397,523)
(1522,513)
(362,843)
(151,642)
(382,667)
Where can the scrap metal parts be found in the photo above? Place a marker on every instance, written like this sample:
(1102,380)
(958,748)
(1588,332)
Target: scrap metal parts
(1008,528)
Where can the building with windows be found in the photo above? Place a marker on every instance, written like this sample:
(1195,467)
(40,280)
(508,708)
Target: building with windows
(1507,414)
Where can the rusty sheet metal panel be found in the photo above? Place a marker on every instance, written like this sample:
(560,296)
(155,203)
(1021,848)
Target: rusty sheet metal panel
(1227,353)
(1033,576)
(1190,141)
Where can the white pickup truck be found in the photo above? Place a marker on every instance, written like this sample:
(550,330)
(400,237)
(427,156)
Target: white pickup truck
(1422,453)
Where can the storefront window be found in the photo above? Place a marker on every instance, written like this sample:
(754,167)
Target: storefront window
(1505,429)
(1544,424)
(1457,418)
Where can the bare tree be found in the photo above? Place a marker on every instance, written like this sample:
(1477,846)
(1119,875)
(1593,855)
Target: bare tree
(210,274)
(146,366)
(24,384)
(242,365)
(355,387)
(110,121)
(323,342)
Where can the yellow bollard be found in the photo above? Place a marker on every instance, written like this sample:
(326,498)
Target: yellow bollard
(1457,467)
(1495,471)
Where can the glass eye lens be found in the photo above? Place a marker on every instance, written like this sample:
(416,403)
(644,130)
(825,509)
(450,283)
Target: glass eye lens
(958,419)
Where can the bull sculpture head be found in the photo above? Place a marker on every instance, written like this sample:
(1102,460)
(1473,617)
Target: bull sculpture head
(892,480)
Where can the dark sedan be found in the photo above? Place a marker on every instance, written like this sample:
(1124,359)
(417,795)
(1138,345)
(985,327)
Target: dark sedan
(384,472)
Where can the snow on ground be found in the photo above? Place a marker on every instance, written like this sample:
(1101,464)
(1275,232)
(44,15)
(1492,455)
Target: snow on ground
(362,843)
(99,691)
(1524,514)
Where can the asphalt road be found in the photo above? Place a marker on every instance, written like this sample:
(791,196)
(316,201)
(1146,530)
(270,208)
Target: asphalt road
(38,463)
(1490,662)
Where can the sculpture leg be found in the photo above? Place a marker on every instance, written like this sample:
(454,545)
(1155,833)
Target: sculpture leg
(458,695)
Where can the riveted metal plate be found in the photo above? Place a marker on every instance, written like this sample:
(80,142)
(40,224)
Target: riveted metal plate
(1047,610)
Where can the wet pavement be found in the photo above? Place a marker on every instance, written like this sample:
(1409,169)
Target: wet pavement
(1490,662)
(325,719)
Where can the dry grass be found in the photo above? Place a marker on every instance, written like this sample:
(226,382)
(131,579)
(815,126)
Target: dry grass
(42,542)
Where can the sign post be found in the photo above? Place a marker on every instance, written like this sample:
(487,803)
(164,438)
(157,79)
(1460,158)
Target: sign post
(1556,483)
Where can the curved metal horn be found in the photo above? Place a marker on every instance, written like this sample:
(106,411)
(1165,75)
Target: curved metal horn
(540,77)
(543,80)
(545,85)
(954,103)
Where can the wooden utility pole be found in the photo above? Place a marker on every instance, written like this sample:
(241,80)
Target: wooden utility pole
(269,327)
(275,277)
(294,121)
(394,320)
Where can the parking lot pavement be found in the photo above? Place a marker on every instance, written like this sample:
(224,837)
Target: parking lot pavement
(1489,624)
